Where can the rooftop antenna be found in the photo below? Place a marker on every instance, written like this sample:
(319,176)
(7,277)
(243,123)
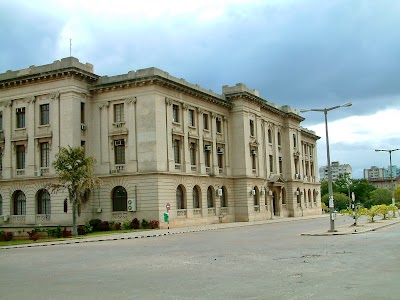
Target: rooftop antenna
(70,47)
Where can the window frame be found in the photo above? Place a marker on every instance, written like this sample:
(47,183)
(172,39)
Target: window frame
(21,118)
(192,118)
(44,114)
(21,156)
(175,113)
(119,113)
(119,152)
(119,202)
(44,154)
(44,203)
(19,203)
(206,120)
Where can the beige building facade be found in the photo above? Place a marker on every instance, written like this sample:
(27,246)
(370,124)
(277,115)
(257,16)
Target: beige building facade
(157,140)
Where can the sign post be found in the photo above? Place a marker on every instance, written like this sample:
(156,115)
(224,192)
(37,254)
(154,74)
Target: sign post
(166,214)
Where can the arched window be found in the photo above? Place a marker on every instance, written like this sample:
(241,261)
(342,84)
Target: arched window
(309,196)
(43,201)
(256,196)
(210,197)
(224,198)
(196,197)
(180,199)
(19,203)
(298,193)
(119,198)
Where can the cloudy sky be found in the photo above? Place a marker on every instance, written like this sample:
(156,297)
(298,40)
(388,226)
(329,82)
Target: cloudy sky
(302,53)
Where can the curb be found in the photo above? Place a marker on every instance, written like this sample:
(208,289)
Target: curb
(349,230)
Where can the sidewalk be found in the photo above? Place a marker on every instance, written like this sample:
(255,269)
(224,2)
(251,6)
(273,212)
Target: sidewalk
(363,226)
(341,230)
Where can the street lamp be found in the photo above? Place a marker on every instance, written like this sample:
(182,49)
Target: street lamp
(391,170)
(330,189)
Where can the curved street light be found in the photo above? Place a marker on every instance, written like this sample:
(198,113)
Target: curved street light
(330,189)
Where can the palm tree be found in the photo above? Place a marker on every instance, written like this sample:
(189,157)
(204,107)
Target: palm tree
(75,173)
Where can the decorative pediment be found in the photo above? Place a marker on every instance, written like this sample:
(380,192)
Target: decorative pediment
(276,180)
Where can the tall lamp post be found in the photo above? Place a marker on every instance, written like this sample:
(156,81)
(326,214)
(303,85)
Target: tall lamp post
(328,158)
(391,169)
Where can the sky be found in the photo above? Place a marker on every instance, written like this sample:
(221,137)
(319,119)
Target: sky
(302,53)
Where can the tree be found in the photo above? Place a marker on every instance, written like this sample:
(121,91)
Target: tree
(341,201)
(75,174)
(343,184)
(362,189)
(358,212)
(379,196)
(397,193)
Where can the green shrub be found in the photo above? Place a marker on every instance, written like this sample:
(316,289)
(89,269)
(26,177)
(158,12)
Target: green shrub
(127,225)
(54,232)
(135,223)
(95,223)
(88,227)
(145,224)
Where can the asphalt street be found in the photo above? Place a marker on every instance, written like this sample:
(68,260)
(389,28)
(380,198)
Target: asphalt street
(266,261)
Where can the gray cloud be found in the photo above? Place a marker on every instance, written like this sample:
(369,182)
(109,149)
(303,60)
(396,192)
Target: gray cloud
(305,54)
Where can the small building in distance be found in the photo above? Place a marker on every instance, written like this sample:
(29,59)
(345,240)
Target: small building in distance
(336,169)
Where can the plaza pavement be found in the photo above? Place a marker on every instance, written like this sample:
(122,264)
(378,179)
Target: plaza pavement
(341,228)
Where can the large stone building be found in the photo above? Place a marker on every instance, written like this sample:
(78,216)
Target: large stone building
(157,139)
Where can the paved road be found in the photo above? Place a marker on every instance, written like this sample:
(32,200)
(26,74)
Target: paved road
(268,261)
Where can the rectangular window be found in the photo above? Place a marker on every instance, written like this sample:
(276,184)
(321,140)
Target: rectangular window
(205,121)
(44,155)
(271,163)
(175,113)
(280,165)
(191,118)
(20,157)
(44,114)
(82,113)
(251,128)
(220,161)
(119,152)
(207,156)
(219,125)
(119,113)
(269,136)
(1,120)
(192,152)
(177,151)
(21,117)
(253,159)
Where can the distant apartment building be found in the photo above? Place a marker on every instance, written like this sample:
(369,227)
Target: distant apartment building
(375,173)
(385,183)
(336,169)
